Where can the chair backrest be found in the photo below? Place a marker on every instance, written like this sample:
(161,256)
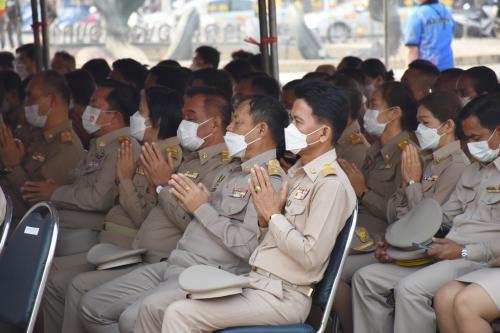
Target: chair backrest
(325,290)
(25,264)
(7,221)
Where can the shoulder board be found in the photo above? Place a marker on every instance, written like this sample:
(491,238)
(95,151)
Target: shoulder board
(328,170)
(402,145)
(274,168)
(173,151)
(123,138)
(356,138)
(225,156)
(66,137)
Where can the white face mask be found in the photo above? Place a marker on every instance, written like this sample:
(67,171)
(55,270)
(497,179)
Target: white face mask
(187,133)
(465,100)
(138,126)
(371,123)
(482,152)
(428,138)
(295,140)
(33,117)
(20,69)
(89,119)
(236,143)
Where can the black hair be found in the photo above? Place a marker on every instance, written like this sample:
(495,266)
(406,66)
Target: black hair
(176,78)
(484,79)
(350,62)
(292,85)
(53,82)
(268,109)
(82,86)
(424,67)
(209,55)
(132,71)
(241,54)
(7,59)
(374,68)
(327,102)
(66,57)
(486,108)
(165,107)
(267,86)
(215,78)
(123,98)
(11,82)
(238,68)
(396,94)
(356,74)
(216,99)
(450,74)
(98,68)
(344,81)
(28,50)
(169,63)
(319,76)
(256,62)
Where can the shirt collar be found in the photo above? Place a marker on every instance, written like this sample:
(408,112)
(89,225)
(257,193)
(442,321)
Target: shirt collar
(52,133)
(313,168)
(106,139)
(207,153)
(446,151)
(258,160)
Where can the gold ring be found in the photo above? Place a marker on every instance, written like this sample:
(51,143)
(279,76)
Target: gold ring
(257,188)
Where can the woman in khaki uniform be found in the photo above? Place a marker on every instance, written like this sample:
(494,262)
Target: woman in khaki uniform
(391,117)
(443,164)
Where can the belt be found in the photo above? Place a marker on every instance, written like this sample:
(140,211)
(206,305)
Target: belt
(119,229)
(303,289)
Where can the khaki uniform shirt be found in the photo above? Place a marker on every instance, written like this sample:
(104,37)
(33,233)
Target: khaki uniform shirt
(298,244)
(440,176)
(352,145)
(51,157)
(166,222)
(134,201)
(382,170)
(93,189)
(225,232)
(474,211)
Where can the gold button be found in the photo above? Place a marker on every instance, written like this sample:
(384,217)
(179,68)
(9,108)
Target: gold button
(387,156)
(312,170)
(204,155)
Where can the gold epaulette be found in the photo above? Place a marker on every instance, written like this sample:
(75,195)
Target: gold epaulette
(274,168)
(66,137)
(328,170)
(402,145)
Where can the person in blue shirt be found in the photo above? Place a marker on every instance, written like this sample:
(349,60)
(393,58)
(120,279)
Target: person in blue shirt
(428,34)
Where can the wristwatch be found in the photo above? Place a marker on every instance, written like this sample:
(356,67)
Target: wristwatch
(411,182)
(464,254)
(271,217)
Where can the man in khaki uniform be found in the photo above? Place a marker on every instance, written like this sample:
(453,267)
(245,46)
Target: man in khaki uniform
(83,203)
(165,223)
(55,152)
(223,231)
(298,241)
(473,210)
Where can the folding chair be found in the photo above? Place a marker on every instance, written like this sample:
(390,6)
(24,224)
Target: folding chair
(24,267)
(7,221)
(324,292)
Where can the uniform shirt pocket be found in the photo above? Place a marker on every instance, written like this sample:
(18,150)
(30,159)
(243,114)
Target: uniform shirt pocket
(295,214)
(233,206)
(492,203)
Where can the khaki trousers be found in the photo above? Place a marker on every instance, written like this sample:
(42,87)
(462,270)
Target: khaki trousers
(114,306)
(63,293)
(390,298)
(252,307)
